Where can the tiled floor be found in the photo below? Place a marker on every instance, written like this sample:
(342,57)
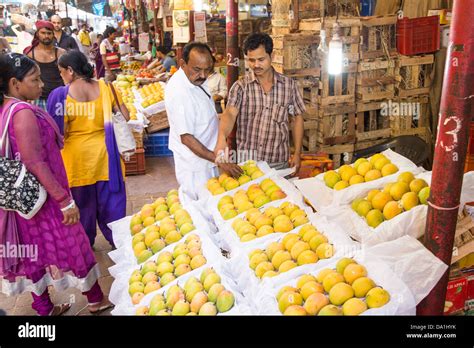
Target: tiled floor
(142,189)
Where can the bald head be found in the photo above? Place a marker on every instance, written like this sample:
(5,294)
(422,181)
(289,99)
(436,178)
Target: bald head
(57,22)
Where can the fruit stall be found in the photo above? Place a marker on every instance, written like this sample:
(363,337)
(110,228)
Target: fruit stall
(258,245)
(142,91)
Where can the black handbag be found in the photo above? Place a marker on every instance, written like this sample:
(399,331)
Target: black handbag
(20,191)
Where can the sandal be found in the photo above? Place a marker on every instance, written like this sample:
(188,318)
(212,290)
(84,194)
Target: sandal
(102,308)
(59,310)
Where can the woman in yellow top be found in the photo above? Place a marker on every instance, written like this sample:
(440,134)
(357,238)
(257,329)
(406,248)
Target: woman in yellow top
(83,111)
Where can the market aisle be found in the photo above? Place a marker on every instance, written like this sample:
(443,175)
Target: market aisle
(141,189)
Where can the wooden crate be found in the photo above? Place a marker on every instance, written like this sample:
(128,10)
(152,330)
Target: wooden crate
(136,165)
(296,54)
(362,145)
(349,32)
(376,79)
(329,125)
(158,121)
(371,122)
(309,88)
(378,37)
(411,118)
(338,89)
(340,154)
(415,75)
(287,13)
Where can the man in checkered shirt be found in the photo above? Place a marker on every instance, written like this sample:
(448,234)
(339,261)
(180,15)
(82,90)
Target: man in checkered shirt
(263,103)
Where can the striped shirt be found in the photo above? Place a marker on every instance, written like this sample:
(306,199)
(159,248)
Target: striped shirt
(263,119)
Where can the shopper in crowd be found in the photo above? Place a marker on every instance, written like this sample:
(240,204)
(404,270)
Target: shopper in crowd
(93,164)
(92,35)
(59,252)
(46,54)
(110,54)
(262,104)
(62,39)
(97,57)
(164,59)
(85,39)
(74,33)
(193,120)
(218,88)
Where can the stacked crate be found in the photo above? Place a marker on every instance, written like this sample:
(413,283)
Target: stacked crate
(415,75)
(330,120)
(376,79)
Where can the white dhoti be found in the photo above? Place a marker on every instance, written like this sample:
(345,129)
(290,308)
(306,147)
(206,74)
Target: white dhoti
(192,182)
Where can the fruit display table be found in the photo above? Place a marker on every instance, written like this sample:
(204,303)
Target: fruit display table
(251,245)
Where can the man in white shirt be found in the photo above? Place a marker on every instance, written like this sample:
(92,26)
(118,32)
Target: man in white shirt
(218,88)
(193,121)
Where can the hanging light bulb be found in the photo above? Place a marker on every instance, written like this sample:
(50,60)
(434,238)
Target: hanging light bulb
(335,56)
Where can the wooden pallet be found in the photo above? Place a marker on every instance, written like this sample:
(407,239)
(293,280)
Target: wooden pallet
(330,125)
(378,37)
(349,32)
(412,117)
(309,88)
(371,123)
(362,145)
(340,154)
(376,79)
(296,54)
(288,13)
(338,89)
(415,75)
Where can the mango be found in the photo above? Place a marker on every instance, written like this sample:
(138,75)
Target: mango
(310,288)
(151,286)
(182,269)
(280,257)
(289,298)
(304,279)
(332,279)
(340,293)
(210,280)
(377,297)
(315,302)
(295,310)
(362,285)
(354,271)
(325,251)
(180,308)
(198,301)
(198,261)
(262,268)
(342,263)
(330,309)
(354,306)
(225,301)
(307,257)
(208,308)
(286,266)
(214,292)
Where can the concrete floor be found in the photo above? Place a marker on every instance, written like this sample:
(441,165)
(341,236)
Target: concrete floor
(158,180)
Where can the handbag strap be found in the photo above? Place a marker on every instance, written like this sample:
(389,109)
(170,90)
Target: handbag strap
(115,96)
(5,130)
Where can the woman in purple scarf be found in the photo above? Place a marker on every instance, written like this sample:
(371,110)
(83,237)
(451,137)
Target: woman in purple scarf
(57,249)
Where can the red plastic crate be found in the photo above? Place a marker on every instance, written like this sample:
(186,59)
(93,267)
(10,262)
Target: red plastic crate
(418,35)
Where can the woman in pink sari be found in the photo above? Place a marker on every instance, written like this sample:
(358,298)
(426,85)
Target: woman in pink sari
(60,254)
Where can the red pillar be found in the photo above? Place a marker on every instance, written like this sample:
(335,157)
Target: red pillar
(232,50)
(451,147)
